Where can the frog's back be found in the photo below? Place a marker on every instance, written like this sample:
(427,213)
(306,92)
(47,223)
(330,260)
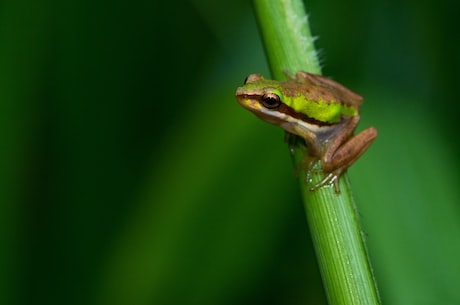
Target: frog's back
(319,88)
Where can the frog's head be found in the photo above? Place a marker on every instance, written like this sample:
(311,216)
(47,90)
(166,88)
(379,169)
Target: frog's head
(265,98)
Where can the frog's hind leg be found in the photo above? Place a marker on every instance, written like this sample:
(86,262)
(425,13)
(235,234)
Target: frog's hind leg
(345,155)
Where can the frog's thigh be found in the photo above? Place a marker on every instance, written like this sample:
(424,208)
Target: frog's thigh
(351,150)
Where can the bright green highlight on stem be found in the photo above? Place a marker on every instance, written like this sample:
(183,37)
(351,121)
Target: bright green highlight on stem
(333,221)
(287,39)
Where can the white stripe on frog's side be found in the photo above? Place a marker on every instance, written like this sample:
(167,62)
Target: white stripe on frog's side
(300,127)
(321,132)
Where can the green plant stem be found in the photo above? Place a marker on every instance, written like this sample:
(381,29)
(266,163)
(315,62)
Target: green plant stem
(333,221)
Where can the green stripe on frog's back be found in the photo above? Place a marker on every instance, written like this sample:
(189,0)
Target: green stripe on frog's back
(321,110)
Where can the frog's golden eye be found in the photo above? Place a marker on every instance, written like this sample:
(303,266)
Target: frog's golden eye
(271,101)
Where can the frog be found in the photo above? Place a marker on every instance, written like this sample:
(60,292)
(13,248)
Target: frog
(318,110)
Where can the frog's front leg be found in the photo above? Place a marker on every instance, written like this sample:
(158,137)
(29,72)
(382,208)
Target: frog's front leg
(308,160)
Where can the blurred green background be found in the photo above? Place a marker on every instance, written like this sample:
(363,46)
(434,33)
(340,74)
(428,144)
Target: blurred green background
(129,174)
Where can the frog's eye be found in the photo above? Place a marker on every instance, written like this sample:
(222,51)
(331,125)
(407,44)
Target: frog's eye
(271,101)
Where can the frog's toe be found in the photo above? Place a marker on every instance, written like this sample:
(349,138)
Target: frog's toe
(331,178)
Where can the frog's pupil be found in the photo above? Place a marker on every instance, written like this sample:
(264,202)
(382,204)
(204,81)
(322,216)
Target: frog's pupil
(271,101)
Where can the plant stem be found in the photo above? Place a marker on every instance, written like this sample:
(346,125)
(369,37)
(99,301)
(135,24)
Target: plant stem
(333,221)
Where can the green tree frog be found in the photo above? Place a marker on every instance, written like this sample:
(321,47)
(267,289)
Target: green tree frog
(319,110)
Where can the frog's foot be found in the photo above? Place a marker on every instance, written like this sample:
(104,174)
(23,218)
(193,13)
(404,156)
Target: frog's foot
(331,178)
